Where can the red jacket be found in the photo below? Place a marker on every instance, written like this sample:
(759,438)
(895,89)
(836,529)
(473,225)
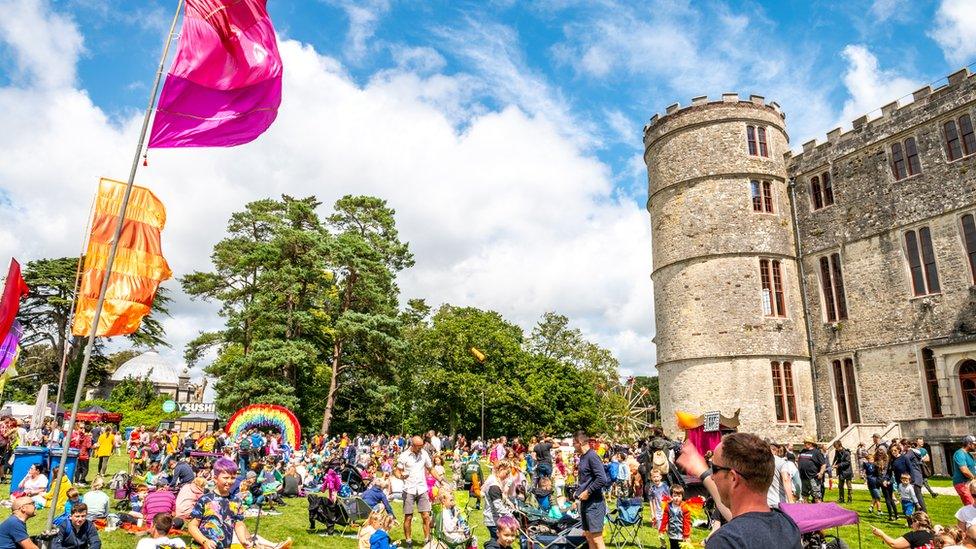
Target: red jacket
(685,519)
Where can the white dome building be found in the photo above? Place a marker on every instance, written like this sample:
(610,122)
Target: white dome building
(168,378)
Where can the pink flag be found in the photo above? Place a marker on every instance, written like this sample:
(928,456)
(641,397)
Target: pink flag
(224,87)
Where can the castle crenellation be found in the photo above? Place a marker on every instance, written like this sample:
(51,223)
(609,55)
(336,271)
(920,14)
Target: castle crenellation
(803,288)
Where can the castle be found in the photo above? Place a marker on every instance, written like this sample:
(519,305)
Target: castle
(830,293)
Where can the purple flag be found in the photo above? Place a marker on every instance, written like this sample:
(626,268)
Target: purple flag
(8,348)
(224,87)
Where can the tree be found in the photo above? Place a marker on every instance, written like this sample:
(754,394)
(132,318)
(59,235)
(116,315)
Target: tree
(553,338)
(366,253)
(46,312)
(274,282)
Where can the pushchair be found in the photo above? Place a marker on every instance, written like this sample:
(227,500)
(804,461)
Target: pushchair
(122,490)
(536,522)
(348,473)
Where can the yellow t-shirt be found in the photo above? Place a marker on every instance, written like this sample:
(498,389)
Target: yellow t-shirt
(106,441)
(206,444)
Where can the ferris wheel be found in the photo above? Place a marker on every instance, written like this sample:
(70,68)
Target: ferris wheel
(632,415)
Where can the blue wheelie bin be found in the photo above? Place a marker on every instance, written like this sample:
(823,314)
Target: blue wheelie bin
(69,466)
(24,457)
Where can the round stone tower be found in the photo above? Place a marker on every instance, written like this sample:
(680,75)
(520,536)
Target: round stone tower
(731,332)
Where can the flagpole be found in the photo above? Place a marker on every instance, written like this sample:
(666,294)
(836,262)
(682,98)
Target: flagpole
(71,313)
(65,444)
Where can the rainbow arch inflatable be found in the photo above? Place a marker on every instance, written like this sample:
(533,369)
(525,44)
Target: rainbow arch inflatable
(264,416)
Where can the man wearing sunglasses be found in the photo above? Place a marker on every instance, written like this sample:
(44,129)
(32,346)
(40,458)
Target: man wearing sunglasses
(742,470)
(13,531)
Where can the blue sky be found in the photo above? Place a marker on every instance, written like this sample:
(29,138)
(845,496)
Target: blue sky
(507,134)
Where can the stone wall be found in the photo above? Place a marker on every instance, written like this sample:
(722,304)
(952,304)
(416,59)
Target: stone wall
(714,343)
(887,325)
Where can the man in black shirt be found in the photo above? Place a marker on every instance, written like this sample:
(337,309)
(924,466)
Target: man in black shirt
(543,458)
(742,470)
(591,477)
(813,466)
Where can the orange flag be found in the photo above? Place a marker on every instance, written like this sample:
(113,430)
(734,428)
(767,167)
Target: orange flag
(139,264)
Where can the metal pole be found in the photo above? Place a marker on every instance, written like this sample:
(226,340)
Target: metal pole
(483,415)
(108,269)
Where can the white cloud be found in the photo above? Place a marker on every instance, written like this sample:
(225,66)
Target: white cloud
(501,210)
(363,18)
(883,10)
(868,85)
(45,45)
(955,30)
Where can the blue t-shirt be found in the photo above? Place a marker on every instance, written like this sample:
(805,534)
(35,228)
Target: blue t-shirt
(756,530)
(12,532)
(959,459)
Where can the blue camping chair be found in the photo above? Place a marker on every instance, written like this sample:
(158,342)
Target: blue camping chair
(625,522)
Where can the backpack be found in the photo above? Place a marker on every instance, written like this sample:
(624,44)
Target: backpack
(245,443)
(660,462)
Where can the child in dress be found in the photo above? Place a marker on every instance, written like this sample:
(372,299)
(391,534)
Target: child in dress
(657,492)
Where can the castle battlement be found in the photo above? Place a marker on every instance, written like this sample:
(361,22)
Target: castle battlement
(893,112)
(702,102)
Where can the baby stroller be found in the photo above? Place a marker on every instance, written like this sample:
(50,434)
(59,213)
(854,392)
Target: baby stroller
(536,522)
(348,473)
(121,486)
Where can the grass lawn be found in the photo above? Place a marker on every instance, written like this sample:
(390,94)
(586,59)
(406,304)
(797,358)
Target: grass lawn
(293,522)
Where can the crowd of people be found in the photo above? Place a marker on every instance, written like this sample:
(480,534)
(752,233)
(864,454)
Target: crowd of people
(202,485)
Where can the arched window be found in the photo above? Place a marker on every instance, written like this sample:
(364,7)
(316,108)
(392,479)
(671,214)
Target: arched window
(967,380)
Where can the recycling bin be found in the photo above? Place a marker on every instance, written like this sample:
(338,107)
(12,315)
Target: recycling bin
(24,457)
(69,466)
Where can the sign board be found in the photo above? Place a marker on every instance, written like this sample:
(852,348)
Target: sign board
(169,406)
(712,422)
(198,407)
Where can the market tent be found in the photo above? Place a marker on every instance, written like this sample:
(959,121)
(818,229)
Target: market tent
(98,414)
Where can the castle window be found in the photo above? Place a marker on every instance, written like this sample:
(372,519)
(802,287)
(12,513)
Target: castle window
(904,159)
(911,154)
(968,138)
(921,262)
(828,190)
(931,382)
(961,142)
(845,391)
(832,282)
(898,162)
(762,196)
(783,393)
(815,193)
(969,239)
(770,274)
(821,191)
(756,139)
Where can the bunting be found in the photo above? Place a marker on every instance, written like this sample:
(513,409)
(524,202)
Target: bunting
(10,347)
(224,87)
(139,264)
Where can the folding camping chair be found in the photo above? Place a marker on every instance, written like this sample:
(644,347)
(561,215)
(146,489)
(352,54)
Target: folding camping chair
(441,539)
(356,511)
(625,522)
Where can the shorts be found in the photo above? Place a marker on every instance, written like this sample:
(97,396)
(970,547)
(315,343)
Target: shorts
(593,514)
(812,488)
(963,490)
(422,501)
(543,469)
(875,493)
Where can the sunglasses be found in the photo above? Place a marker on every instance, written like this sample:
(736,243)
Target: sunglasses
(719,468)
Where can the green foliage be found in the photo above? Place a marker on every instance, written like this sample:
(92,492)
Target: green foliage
(151,414)
(313,323)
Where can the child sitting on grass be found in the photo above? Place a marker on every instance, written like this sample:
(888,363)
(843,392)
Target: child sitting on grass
(380,539)
(369,528)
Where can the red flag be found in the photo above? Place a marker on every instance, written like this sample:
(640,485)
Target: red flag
(13,290)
